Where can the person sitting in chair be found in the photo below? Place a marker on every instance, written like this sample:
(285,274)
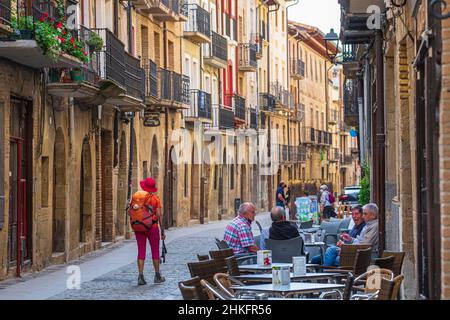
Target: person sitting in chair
(281,229)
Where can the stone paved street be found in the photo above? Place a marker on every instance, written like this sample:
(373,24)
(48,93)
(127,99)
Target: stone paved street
(120,283)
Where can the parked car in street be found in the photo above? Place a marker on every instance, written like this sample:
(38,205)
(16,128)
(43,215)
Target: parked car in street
(350,195)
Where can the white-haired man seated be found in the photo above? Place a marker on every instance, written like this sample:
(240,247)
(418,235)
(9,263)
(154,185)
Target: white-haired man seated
(368,236)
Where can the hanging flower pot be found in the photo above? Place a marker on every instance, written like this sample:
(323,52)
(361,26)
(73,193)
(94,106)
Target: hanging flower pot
(76,75)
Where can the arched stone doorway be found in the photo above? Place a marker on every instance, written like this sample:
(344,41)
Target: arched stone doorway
(154,162)
(86,189)
(122,187)
(59,193)
(195,186)
(170,221)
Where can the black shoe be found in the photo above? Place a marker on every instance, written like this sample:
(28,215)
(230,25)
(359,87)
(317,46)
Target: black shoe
(159,278)
(141,280)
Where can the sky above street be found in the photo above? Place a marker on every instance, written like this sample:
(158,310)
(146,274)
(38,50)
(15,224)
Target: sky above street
(324,14)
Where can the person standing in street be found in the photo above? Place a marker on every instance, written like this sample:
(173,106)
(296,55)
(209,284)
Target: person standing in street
(145,215)
(280,197)
(325,203)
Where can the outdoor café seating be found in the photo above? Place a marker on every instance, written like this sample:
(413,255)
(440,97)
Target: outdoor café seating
(284,250)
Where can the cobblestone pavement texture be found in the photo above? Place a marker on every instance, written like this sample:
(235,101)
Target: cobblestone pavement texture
(121,284)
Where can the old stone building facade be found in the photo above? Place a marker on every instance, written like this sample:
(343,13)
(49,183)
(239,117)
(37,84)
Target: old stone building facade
(396,72)
(181,91)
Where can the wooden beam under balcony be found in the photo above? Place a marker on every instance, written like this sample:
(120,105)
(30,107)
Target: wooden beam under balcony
(28,53)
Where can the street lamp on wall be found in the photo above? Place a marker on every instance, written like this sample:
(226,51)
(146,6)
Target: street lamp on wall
(332,44)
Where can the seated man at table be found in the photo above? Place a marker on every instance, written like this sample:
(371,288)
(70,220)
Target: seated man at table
(238,233)
(332,254)
(281,229)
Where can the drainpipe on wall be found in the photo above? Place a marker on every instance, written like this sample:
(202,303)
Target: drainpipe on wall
(167,191)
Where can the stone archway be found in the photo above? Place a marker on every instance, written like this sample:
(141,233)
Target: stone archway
(154,161)
(195,186)
(122,187)
(59,193)
(86,189)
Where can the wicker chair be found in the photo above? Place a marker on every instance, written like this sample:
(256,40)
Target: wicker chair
(202,257)
(397,284)
(213,292)
(224,282)
(386,290)
(346,294)
(232,266)
(192,289)
(222,244)
(352,260)
(220,256)
(204,269)
(369,279)
(398,260)
(385,263)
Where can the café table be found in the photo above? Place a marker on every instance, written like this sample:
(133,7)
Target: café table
(288,290)
(267,277)
(320,245)
(261,269)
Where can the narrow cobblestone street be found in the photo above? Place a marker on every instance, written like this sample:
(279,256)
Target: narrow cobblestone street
(103,280)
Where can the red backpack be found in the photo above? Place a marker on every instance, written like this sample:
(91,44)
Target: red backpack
(331,197)
(142,216)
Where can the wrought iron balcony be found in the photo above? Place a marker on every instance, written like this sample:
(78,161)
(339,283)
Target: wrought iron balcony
(258,41)
(319,137)
(226,118)
(297,69)
(308,135)
(350,62)
(351,106)
(151,79)
(301,153)
(198,27)
(166,88)
(267,102)
(163,10)
(253,119)
(284,153)
(5,17)
(216,53)
(247,57)
(283,97)
(239,107)
(333,120)
(200,106)
(346,159)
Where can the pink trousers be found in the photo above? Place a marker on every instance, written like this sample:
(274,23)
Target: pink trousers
(153,238)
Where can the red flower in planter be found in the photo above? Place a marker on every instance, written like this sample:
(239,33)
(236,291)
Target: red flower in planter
(46,15)
(72,40)
(59,25)
(62,39)
(42,19)
(64,32)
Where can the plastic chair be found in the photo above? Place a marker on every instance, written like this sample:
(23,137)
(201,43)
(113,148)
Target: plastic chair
(204,269)
(202,257)
(330,231)
(222,244)
(284,250)
(306,224)
(220,256)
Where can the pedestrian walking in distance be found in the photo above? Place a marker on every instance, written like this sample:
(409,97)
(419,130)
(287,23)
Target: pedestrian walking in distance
(145,218)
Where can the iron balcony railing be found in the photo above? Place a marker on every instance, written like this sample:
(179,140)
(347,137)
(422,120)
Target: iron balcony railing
(41,7)
(308,135)
(281,95)
(319,137)
(349,53)
(300,111)
(179,7)
(226,118)
(247,56)
(284,153)
(267,102)
(218,48)
(199,20)
(200,105)
(297,68)
(257,41)
(5,12)
(151,79)
(351,110)
(253,119)
(346,159)
(301,153)
(333,155)
(134,77)
(239,107)
(173,86)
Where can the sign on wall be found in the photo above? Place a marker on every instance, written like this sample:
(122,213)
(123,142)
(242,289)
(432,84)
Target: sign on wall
(151,118)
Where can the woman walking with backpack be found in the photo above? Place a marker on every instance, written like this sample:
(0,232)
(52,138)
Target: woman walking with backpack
(145,217)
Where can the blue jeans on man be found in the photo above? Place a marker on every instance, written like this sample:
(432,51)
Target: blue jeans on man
(331,258)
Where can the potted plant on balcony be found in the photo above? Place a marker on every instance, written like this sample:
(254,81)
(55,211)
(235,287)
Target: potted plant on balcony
(24,26)
(76,75)
(95,43)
